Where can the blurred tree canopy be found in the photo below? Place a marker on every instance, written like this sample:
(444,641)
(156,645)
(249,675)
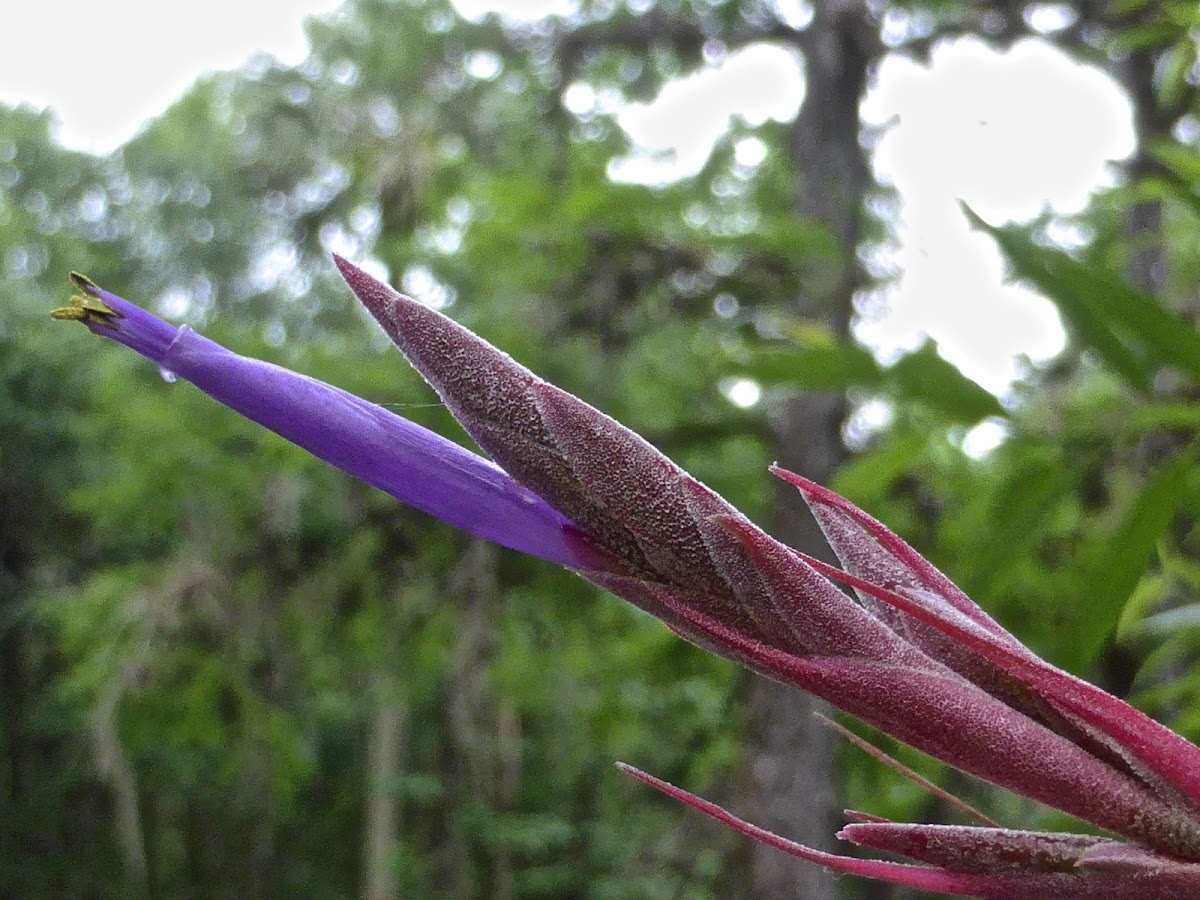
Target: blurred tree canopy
(228,671)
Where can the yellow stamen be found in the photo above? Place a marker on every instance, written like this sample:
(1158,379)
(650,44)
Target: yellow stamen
(86,308)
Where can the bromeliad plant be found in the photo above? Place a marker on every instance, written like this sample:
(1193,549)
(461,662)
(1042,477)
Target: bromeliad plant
(911,654)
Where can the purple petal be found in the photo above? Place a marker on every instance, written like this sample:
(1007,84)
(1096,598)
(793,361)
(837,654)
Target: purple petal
(413,464)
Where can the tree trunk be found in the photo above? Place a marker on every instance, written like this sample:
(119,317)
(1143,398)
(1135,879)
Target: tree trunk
(790,777)
(385,752)
(116,769)
(477,716)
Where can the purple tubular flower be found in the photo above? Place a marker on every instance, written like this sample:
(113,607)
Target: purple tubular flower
(414,465)
(911,655)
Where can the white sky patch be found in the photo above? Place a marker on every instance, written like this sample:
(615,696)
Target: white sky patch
(984,438)
(742,392)
(484,64)
(422,285)
(867,418)
(1010,133)
(1013,134)
(676,132)
(107,67)
(749,152)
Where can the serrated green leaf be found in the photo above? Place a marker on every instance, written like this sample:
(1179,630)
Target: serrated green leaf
(864,474)
(1182,160)
(1121,561)
(831,367)
(1131,330)
(925,376)
(1140,37)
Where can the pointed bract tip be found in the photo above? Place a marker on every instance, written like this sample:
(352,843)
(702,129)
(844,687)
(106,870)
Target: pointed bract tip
(649,779)
(814,493)
(798,481)
(355,276)
(382,301)
(635,772)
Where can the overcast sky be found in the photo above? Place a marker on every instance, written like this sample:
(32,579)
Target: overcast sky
(1009,133)
(106,66)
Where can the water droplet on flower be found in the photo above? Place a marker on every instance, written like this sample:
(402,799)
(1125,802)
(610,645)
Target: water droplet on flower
(167,375)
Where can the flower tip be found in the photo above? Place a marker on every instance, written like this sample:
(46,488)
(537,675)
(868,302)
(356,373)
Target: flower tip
(84,284)
(90,308)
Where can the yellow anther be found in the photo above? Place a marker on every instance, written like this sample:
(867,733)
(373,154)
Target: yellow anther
(85,308)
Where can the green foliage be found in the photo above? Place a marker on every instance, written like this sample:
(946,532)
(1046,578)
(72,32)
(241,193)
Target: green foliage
(217,625)
(1132,332)
(197,617)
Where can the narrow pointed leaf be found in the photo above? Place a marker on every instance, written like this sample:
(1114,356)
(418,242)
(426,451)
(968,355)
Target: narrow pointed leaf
(1157,749)
(1120,561)
(1174,881)
(924,375)
(1131,329)
(964,848)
